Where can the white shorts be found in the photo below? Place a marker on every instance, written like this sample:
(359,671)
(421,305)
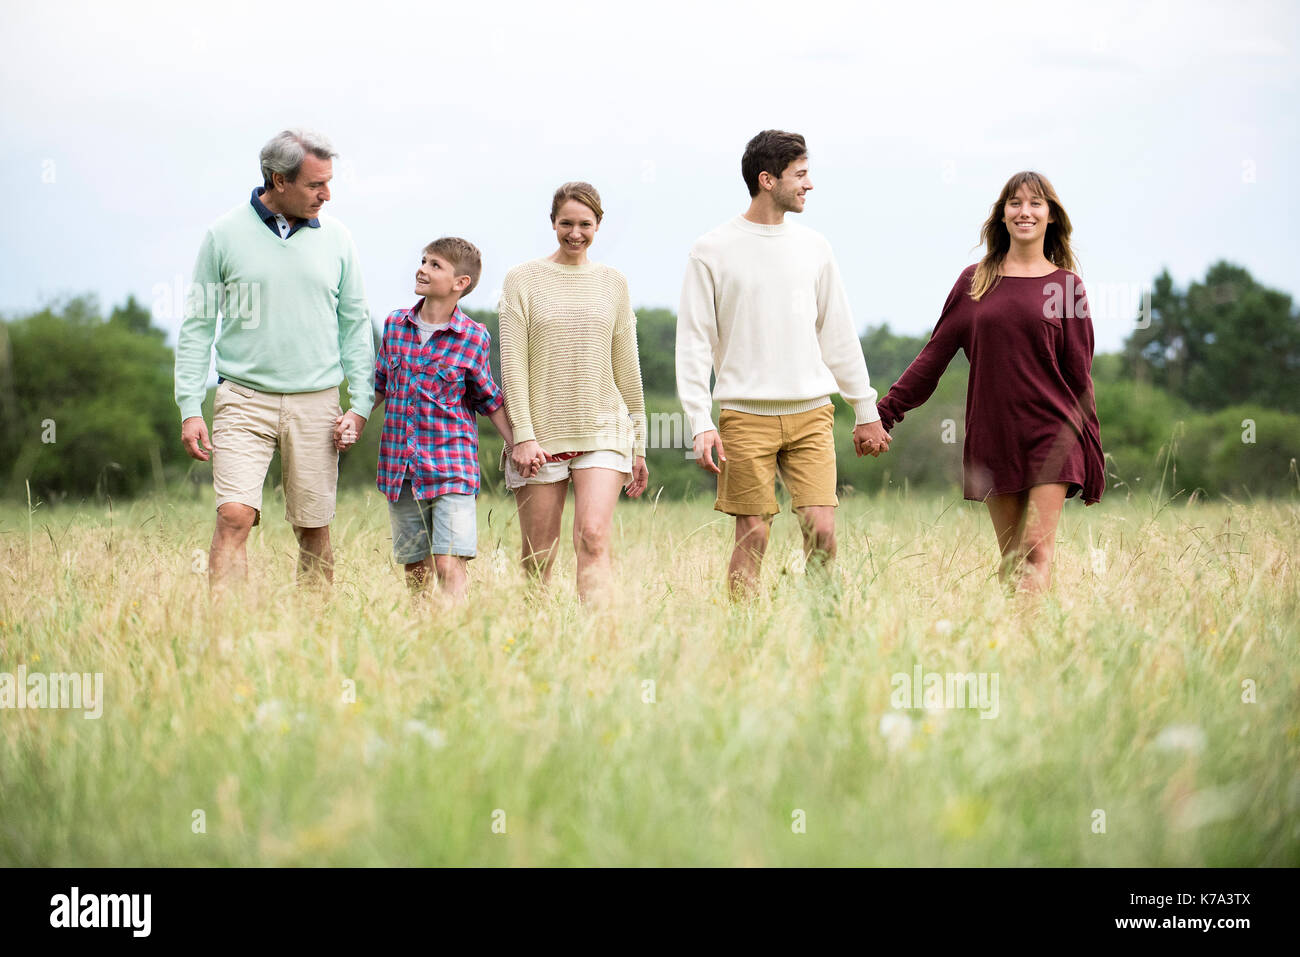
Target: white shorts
(559,471)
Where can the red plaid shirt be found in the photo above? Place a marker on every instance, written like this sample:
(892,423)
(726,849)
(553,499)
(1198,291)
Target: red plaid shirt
(431,393)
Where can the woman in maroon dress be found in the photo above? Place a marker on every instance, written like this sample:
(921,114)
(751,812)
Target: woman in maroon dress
(1021,317)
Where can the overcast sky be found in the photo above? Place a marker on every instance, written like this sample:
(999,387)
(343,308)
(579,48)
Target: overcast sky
(1168,129)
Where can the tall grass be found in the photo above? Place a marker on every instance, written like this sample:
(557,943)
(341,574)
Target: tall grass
(760,741)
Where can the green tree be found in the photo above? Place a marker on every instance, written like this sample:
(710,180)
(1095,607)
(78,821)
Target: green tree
(888,354)
(1225,341)
(87,402)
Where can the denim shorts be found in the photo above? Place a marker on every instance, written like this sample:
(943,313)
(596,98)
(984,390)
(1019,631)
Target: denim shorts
(446,525)
(559,471)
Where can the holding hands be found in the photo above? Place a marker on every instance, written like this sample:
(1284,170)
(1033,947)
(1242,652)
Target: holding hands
(870,438)
(347,429)
(527,457)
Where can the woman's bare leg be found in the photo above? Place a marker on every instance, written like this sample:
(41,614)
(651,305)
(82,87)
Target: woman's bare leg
(595,493)
(1038,539)
(1008,514)
(541,507)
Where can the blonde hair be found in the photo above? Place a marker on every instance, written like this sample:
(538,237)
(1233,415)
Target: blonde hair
(997,239)
(584,193)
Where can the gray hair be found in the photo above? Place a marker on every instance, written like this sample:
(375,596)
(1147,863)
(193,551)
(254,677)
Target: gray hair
(284,152)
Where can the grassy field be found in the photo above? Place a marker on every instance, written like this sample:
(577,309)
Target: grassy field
(1157,684)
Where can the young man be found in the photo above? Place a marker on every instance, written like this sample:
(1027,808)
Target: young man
(433,372)
(764,309)
(286,282)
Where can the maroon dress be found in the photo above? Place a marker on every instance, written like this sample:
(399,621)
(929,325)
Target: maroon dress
(1030,414)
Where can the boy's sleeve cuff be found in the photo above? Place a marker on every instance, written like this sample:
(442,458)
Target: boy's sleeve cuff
(190,408)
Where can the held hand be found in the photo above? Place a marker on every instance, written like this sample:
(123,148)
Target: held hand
(194,433)
(527,458)
(870,438)
(705,443)
(347,429)
(640,478)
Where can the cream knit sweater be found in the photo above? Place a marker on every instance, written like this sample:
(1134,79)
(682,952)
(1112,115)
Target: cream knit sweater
(569,364)
(764,309)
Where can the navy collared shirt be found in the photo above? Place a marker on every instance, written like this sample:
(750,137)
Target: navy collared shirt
(268,217)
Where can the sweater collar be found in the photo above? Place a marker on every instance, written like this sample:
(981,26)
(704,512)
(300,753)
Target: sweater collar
(760,229)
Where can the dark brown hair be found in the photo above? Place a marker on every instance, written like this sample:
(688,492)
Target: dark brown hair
(771,151)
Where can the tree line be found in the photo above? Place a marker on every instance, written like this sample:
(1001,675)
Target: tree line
(1202,398)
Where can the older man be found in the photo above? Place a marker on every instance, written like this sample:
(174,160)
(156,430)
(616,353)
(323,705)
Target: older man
(287,283)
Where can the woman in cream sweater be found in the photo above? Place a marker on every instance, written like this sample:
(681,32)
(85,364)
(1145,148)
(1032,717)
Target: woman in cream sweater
(572,379)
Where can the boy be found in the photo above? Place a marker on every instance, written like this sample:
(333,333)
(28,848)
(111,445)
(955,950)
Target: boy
(432,370)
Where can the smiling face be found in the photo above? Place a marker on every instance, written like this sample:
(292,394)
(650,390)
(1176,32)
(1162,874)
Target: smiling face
(1026,215)
(788,192)
(575,227)
(304,197)
(436,279)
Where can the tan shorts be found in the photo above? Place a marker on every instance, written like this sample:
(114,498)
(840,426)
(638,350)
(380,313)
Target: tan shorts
(247,427)
(800,448)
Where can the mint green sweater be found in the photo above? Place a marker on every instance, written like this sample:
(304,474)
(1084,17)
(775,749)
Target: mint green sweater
(294,314)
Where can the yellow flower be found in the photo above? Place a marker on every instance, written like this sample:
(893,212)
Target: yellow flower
(36,659)
(962,817)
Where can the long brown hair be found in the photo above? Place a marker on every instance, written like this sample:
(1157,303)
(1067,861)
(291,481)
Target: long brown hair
(997,239)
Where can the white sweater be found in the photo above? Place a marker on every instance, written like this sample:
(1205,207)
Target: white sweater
(763,307)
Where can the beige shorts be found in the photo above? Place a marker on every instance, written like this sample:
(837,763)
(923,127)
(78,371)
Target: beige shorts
(800,448)
(248,426)
(559,471)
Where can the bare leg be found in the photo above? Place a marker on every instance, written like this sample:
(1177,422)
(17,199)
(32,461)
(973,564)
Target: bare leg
(1042,515)
(817,522)
(1008,513)
(541,507)
(315,556)
(595,493)
(227,559)
(452,577)
(417,574)
(747,557)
